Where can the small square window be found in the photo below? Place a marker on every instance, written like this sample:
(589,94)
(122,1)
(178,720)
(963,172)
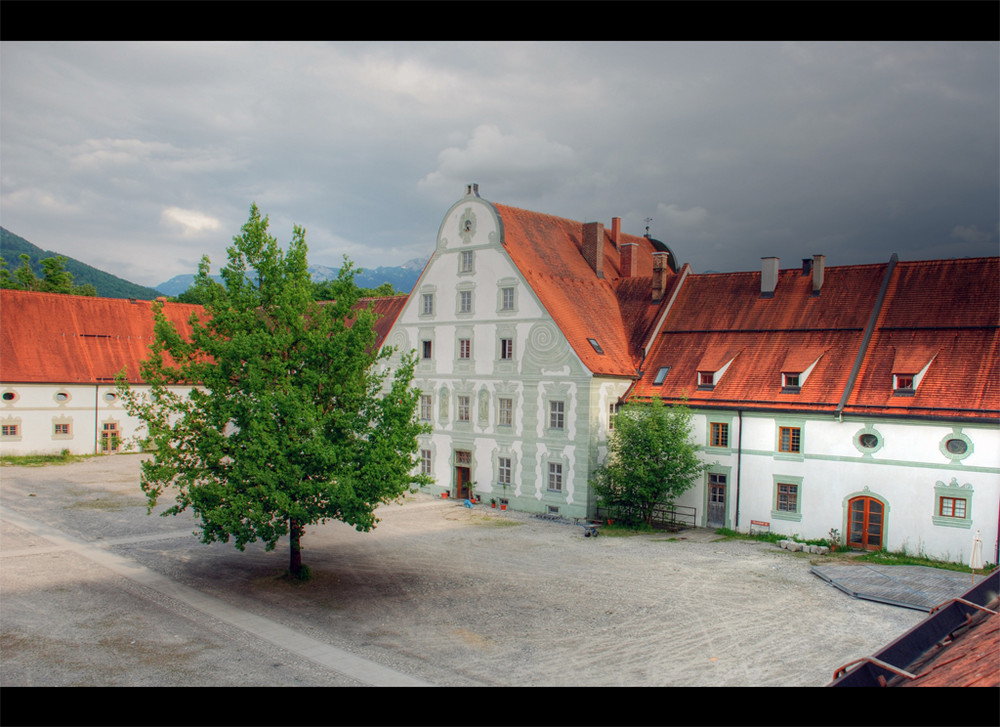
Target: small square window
(706,378)
(9,430)
(788,497)
(60,429)
(790,380)
(789,439)
(952,507)
(720,435)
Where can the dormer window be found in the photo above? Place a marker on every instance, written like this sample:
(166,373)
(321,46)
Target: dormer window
(713,365)
(798,365)
(790,380)
(902,383)
(706,379)
(909,365)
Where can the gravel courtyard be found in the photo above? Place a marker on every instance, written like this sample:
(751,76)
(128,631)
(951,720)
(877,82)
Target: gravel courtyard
(440,593)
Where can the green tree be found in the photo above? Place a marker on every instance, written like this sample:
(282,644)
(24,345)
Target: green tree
(55,277)
(296,419)
(325,290)
(651,460)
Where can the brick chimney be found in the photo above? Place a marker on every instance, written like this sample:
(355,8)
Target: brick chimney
(661,267)
(768,276)
(593,246)
(819,263)
(630,259)
(616,229)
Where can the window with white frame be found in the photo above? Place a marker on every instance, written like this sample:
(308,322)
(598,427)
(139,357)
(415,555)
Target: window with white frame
(503,470)
(426,407)
(465,301)
(466,261)
(465,348)
(953,504)
(425,461)
(464,408)
(427,304)
(613,414)
(505,412)
(787,498)
(557,415)
(555,477)
(507,298)
(10,430)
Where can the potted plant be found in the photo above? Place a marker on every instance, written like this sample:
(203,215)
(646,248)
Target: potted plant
(834,539)
(493,502)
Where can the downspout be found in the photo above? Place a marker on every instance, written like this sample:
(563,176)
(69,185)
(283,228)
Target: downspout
(866,339)
(739,461)
(97,434)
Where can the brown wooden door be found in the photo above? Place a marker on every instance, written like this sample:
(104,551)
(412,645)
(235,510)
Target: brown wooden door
(867,523)
(462,477)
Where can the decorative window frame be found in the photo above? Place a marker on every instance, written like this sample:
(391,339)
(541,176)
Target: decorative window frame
(14,396)
(507,284)
(728,422)
(62,421)
(427,290)
(9,422)
(427,399)
(508,425)
(792,516)
(956,433)
(868,429)
(955,490)
(463,256)
(780,424)
(506,452)
(461,289)
(66,397)
(549,464)
(727,472)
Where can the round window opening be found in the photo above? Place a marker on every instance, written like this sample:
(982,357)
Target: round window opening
(8,396)
(62,396)
(110,397)
(956,446)
(868,441)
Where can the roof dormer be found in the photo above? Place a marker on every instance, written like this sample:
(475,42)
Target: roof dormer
(713,365)
(798,365)
(909,365)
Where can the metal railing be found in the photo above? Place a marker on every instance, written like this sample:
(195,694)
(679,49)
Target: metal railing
(672,518)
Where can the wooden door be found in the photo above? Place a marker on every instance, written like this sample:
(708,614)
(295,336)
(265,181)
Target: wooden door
(867,523)
(462,477)
(716,500)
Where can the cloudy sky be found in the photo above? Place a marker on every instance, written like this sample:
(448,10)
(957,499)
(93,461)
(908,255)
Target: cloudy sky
(140,157)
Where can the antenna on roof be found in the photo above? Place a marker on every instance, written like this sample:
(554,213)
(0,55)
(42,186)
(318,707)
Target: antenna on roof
(647,221)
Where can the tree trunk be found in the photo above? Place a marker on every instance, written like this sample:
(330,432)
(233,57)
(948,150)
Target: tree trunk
(295,555)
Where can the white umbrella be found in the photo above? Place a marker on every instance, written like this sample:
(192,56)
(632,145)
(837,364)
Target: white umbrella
(976,559)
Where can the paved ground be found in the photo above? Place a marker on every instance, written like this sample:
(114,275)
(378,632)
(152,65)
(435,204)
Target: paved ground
(97,593)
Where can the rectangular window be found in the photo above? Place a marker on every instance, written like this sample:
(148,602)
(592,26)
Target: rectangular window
(506,299)
(661,374)
(465,261)
(465,301)
(464,348)
(463,457)
(720,435)
(506,349)
(706,378)
(425,461)
(790,379)
(788,496)
(789,439)
(555,476)
(505,412)
(904,381)
(463,408)
(425,407)
(427,349)
(109,438)
(428,300)
(952,507)
(8,430)
(557,414)
(503,470)
(60,429)
(612,413)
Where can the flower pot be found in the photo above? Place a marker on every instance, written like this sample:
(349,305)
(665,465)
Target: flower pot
(493,505)
(503,507)
(444,495)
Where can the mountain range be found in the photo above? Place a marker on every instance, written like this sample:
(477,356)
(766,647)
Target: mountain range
(402,277)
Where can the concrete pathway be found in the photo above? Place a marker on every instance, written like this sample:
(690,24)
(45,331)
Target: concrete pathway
(330,657)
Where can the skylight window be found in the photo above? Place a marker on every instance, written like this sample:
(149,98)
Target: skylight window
(596,345)
(661,374)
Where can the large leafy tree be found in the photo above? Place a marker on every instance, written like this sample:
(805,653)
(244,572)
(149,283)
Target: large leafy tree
(296,418)
(651,461)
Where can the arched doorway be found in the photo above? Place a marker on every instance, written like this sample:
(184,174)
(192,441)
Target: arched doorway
(865,523)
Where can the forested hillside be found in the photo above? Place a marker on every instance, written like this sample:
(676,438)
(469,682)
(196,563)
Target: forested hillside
(107,285)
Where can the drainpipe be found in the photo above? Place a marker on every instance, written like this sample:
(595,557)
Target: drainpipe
(739,461)
(97,434)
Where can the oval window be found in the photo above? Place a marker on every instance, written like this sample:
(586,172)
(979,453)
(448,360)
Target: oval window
(956,446)
(62,396)
(110,396)
(868,441)
(8,396)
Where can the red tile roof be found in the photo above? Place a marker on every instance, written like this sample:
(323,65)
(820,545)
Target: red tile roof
(946,312)
(50,338)
(971,658)
(617,312)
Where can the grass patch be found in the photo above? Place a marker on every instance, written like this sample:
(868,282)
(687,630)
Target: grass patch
(494,522)
(40,460)
(615,530)
(883,557)
(728,534)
